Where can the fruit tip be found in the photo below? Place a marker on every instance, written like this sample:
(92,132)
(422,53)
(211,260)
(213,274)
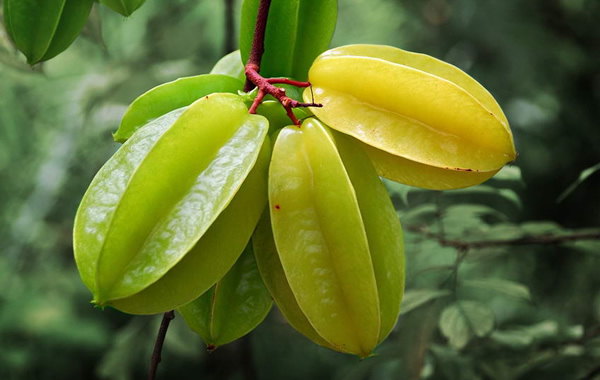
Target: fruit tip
(210,348)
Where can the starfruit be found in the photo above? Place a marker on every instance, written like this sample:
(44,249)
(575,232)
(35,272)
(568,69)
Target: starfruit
(158,209)
(334,262)
(233,307)
(41,29)
(422,121)
(230,65)
(297,31)
(124,7)
(171,96)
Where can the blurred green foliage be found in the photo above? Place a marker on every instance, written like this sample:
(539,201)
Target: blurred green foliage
(477,306)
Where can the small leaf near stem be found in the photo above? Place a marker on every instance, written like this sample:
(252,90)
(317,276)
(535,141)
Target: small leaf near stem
(266,85)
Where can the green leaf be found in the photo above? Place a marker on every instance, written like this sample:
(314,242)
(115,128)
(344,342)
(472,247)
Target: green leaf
(588,246)
(509,174)
(585,174)
(230,65)
(297,32)
(156,197)
(233,307)
(543,331)
(462,320)
(398,189)
(124,7)
(516,338)
(171,96)
(509,288)
(452,364)
(420,215)
(506,194)
(414,299)
(541,228)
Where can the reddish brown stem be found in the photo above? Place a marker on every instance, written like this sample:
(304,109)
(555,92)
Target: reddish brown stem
(266,85)
(258,43)
(288,81)
(160,339)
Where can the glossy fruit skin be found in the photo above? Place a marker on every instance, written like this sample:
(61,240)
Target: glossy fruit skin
(159,194)
(171,96)
(297,32)
(124,7)
(413,111)
(200,268)
(41,29)
(326,240)
(277,116)
(233,307)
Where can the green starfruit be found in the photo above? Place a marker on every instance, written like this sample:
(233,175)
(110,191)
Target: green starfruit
(171,96)
(230,65)
(201,268)
(41,29)
(424,122)
(297,31)
(338,240)
(233,307)
(161,192)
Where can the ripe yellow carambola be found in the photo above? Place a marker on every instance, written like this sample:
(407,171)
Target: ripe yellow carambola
(339,273)
(423,122)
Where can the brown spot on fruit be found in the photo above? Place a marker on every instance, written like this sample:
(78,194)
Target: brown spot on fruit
(277,207)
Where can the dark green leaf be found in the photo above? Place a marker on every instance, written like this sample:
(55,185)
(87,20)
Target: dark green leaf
(463,319)
(509,288)
(418,297)
(582,177)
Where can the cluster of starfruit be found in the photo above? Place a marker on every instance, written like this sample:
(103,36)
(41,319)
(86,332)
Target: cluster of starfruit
(216,212)
(42,29)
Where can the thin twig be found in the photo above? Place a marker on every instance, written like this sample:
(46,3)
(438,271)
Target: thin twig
(527,240)
(258,43)
(160,340)
(593,374)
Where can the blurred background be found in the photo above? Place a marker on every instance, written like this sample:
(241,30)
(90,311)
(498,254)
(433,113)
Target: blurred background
(502,279)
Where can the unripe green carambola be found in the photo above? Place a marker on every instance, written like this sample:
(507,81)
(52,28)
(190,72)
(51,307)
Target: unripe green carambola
(41,29)
(423,122)
(296,32)
(233,307)
(339,273)
(171,96)
(161,192)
